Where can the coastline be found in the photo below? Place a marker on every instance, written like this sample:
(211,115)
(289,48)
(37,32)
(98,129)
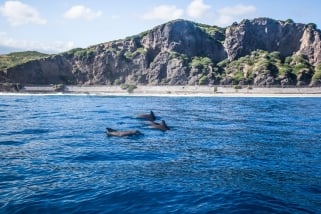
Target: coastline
(194,91)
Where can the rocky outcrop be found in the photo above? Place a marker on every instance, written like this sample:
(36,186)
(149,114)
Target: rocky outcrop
(10,87)
(263,34)
(183,37)
(310,44)
(51,70)
(270,35)
(166,55)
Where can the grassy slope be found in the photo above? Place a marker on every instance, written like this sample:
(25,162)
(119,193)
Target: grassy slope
(17,58)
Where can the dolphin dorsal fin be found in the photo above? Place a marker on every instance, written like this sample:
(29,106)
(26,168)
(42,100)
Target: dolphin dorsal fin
(164,124)
(153,115)
(111,130)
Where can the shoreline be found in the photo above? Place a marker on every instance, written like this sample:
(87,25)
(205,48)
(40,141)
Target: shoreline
(171,91)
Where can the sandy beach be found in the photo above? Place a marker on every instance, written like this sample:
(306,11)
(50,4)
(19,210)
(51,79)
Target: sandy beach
(209,91)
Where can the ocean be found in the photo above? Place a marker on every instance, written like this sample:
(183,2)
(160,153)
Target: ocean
(221,155)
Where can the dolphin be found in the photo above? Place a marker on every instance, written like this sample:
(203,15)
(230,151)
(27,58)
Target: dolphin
(161,126)
(151,116)
(125,133)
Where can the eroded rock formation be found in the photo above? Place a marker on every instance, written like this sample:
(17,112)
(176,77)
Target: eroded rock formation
(177,53)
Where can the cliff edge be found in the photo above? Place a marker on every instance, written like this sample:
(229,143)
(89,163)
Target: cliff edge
(261,51)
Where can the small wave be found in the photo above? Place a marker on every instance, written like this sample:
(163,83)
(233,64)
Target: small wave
(28,132)
(250,202)
(222,155)
(315,189)
(144,156)
(100,111)
(10,177)
(11,143)
(4,105)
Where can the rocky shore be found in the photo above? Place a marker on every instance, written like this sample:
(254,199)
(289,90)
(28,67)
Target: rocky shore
(142,90)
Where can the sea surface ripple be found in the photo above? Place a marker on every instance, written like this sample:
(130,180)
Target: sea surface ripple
(222,155)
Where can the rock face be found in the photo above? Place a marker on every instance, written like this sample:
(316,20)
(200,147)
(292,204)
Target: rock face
(177,53)
(183,37)
(263,34)
(54,69)
(310,44)
(286,37)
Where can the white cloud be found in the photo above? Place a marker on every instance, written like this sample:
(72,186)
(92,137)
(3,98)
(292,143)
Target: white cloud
(82,12)
(54,47)
(197,8)
(237,10)
(225,20)
(115,17)
(229,14)
(164,12)
(19,13)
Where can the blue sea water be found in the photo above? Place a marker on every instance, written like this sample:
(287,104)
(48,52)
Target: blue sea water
(222,155)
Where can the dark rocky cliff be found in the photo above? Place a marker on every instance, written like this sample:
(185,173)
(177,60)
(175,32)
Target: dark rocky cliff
(263,34)
(183,52)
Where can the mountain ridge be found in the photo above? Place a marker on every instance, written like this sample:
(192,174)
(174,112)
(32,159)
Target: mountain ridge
(261,51)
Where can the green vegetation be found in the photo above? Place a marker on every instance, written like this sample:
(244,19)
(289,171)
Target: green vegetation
(311,25)
(254,68)
(260,62)
(202,63)
(247,67)
(213,31)
(82,52)
(298,63)
(17,58)
(130,55)
(223,63)
(139,36)
(144,33)
(73,51)
(176,55)
(117,82)
(317,74)
(204,67)
(290,21)
(203,80)
(130,88)
(238,77)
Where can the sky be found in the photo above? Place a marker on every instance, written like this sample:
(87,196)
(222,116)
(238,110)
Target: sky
(56,26)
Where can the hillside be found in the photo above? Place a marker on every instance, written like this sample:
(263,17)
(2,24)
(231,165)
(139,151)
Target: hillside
(262,52)
(16,58)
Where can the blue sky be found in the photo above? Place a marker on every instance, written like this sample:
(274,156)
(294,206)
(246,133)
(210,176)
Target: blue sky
(56,26)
